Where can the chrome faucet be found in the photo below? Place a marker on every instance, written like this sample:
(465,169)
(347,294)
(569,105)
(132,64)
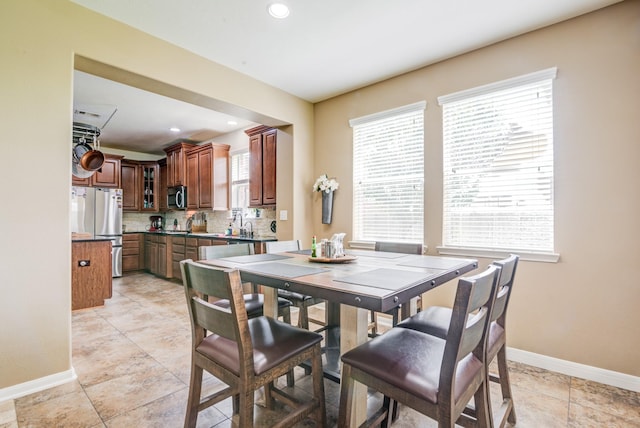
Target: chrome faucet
(248,230)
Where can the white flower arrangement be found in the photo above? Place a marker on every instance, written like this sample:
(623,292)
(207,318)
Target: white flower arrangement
(325,184)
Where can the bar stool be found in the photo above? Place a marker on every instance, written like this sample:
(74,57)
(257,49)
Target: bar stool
(245,354)
(435,320)
(436,377)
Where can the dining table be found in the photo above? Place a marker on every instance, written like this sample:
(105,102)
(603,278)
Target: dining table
(352,285)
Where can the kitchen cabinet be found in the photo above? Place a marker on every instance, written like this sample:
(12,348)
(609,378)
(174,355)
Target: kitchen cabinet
(90,273)
(155,254)
(177,255)
(162,202)
(262,166)
(140,185)
(177,163)
(107,176)
(208,177)
(132,252)
(183,248)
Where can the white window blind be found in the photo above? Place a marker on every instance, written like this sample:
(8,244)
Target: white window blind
(388,175)
(498,165)
(240,180)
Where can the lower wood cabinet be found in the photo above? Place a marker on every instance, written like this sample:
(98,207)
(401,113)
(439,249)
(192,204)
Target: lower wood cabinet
(133,252)
(155,254)
(163,253)
(187,248)
(90,273)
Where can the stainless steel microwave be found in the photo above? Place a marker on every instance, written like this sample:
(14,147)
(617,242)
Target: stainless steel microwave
(177,197)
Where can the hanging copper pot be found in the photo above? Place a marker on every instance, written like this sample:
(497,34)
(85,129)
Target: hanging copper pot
(86,157)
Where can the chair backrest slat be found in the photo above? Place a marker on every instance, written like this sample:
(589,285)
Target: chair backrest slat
(210,252)
(399,247)
(282,246)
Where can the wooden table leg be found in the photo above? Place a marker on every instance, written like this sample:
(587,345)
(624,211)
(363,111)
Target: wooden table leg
(353,332)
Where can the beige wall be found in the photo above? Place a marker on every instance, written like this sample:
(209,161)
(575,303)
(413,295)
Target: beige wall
(40,40)
(584,308)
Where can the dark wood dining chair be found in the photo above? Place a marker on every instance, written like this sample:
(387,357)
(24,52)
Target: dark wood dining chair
(244,353)
(300,301)
(253,301)
(435,320)
(392,247)
(436,377)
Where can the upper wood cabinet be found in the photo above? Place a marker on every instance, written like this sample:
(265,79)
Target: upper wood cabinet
(140,185)
(208,177)
(162,202)
(107,176)
(130,175)
(262,166)
(177,163)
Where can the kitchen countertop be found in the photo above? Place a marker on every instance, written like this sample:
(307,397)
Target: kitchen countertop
(220,236)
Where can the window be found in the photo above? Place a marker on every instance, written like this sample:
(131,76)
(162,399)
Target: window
(498,166)
(388,175)
(240,180)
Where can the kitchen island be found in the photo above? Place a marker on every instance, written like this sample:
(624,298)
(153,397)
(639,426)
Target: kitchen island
(91,281)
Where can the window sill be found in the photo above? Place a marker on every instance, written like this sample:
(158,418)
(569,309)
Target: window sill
(499,254)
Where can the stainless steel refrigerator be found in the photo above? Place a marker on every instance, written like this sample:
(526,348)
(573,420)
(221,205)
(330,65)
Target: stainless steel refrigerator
(98,212)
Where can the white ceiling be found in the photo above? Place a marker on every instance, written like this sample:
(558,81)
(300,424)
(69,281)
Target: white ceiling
(324,48)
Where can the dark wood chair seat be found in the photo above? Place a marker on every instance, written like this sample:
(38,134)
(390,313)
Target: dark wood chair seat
(434,376)
(245,354)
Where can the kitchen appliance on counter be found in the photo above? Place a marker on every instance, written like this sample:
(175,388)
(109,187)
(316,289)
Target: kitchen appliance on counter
(156,223)
(98,211)
(177,197)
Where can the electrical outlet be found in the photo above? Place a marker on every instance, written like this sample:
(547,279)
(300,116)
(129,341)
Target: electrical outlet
(283,214)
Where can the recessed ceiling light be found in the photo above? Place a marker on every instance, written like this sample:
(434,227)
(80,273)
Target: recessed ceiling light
(174,129)
(278,10)
(232,122)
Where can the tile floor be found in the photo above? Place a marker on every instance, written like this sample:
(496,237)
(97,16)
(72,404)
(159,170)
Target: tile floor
(132,361)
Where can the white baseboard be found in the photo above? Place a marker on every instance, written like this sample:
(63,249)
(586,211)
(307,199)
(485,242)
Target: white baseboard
(37,385)
(607,377)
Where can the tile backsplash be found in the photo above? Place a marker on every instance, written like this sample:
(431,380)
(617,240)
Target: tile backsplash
(217,221)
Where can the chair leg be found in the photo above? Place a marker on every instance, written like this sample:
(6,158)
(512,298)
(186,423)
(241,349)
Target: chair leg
(505,384)
(346,402)
(395,314)
(318,386)
(482,406)
(290,379)
(268,395)
(303,317)
(245,411)
(285,313)
(373,323)
(195,388)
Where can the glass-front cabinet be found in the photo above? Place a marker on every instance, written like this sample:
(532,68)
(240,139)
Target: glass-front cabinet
(149,187)
(140,185)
